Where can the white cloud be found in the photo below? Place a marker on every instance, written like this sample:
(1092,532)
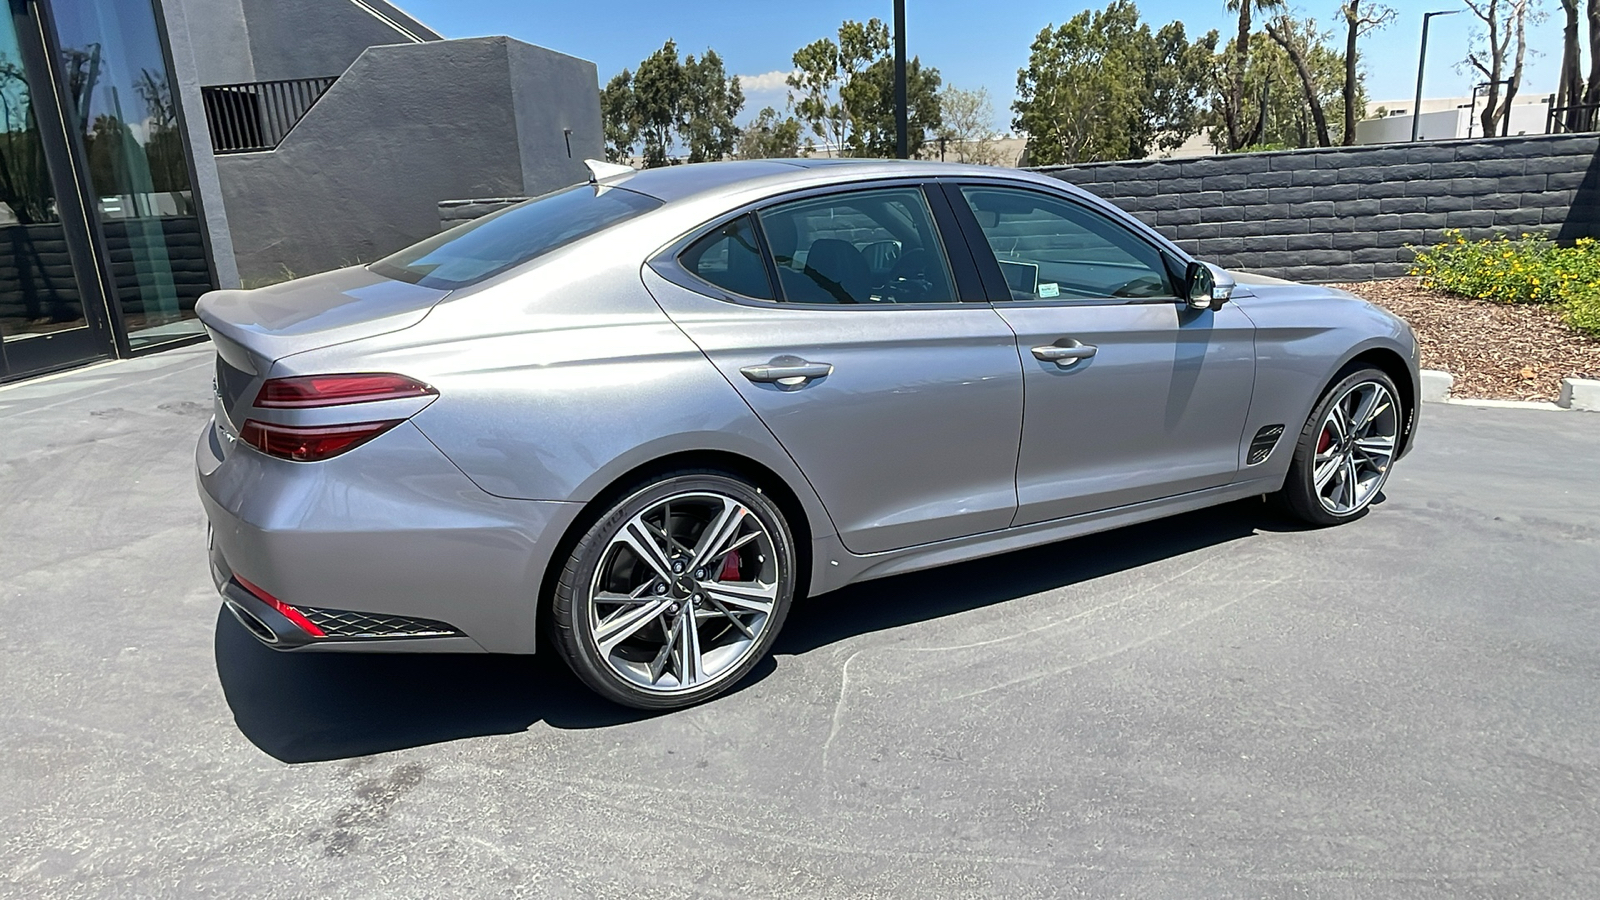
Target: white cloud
(766,82)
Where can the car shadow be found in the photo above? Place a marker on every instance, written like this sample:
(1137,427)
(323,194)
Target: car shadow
(308,707)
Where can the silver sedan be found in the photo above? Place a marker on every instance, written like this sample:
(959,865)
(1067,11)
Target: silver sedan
(648,413)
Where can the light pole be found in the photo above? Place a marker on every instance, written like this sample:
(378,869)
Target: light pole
(900,79)
(1422,59)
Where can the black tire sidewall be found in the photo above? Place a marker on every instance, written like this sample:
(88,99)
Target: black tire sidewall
(1299,495)
(570,614)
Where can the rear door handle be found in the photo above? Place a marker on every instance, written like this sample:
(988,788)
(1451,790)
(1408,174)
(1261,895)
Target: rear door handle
(787,372)
(1065,352)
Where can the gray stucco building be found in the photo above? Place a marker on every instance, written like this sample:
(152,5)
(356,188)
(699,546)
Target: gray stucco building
(151,150)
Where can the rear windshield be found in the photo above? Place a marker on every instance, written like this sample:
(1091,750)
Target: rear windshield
(490,245)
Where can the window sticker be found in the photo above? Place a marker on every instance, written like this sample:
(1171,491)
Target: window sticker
(1048,289)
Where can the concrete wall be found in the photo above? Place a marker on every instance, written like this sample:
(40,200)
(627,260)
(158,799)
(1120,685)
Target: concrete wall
(314,38)
(265,40)
(404,128)
(1348,213)
(194,47)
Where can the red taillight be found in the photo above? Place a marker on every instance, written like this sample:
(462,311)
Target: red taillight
(289,612)
(310,443)
(308,391)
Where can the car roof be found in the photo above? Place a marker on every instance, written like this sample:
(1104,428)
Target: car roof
(673,183)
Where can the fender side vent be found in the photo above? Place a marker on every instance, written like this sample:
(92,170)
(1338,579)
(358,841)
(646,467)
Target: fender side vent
(1261,445)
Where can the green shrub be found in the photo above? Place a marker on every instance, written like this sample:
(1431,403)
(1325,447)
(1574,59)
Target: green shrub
(1526,269)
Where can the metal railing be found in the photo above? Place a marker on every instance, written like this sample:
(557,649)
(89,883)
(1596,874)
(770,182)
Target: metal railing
(256,115)
(1561,119)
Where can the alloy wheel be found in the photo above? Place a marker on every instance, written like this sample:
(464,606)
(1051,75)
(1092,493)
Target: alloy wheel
(684,592)
(1355,447)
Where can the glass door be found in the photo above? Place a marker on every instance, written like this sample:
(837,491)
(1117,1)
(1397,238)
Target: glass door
(123,107)
(46,320)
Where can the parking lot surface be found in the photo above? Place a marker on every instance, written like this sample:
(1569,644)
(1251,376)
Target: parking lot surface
(1215,705)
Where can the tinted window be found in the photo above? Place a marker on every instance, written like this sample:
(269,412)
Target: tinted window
(730,259)
(1051,248)
(875,246)
(512,236)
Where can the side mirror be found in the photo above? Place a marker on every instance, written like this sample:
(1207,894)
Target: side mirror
(1206,287)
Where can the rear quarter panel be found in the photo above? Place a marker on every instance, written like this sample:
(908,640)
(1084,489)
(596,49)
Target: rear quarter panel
(557,380)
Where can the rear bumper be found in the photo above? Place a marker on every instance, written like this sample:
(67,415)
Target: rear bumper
(374,542)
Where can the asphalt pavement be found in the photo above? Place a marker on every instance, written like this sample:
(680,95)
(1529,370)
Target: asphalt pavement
(1212,706)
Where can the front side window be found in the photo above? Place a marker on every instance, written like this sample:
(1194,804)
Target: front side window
(730,258)
(871,246)
(1050,248)
(488,246)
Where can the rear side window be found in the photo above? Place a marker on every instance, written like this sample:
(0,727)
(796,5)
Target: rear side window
(729,258)
(488,246)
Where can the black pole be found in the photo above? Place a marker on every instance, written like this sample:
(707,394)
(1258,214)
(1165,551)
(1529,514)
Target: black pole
(900,150)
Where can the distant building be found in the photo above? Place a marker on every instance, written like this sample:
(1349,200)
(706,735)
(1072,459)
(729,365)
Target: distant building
(151,150)
(1447,118)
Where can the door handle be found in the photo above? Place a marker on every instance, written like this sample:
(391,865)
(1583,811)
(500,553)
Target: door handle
(1065,352)
(787,372)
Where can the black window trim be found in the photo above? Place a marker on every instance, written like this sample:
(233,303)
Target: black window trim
(665,263)
(989,265)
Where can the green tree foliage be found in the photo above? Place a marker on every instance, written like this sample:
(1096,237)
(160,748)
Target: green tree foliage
(1103,86)
(671,104)
(843,92)
(771,136)
(1231,104)
(967,134)
(1274,95)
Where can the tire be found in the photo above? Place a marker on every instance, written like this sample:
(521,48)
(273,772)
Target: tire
(1330,452)
(623,609)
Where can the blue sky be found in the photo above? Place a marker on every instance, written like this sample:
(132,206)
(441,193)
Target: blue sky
(972,44)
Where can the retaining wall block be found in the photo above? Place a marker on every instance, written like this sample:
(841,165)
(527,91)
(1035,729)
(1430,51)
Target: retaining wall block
(1477,218)
(1309,242)
(1403,204)
(1557,181)
(1446,203)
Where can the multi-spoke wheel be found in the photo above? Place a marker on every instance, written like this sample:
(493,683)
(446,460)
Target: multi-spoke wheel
(676,592)
(1345,450)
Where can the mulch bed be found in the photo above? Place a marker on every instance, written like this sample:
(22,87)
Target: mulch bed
(1495,351)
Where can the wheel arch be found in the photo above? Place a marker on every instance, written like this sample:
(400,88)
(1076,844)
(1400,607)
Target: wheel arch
(1389,361)
(762,476)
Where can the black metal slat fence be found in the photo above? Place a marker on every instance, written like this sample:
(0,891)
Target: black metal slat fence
(255,116)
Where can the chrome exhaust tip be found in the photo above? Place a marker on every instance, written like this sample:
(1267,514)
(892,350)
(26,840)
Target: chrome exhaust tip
(251,623)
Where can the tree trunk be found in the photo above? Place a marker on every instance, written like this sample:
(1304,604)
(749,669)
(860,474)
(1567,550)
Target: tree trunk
(1520,16)
(1353,20)
(1570,86)
(1241,57)
(1591,94)
(1307,84)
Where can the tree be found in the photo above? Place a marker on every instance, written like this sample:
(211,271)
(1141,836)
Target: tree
(711,101)
(966,129)
(769,137)
(1358,23)
(1283,33)
(616,111)
(1233,108)
(1504,28)
(1274,94)
(668,104)
(844,92)
(1102,86)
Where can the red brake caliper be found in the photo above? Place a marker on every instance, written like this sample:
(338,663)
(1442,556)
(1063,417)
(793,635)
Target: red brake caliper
(730,567)
(1325,440)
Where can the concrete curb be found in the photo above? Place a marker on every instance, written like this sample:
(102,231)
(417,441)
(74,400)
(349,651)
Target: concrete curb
(1436,385)
(1579,393)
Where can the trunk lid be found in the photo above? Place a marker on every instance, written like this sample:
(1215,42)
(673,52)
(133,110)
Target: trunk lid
(254,329)
(307,313)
